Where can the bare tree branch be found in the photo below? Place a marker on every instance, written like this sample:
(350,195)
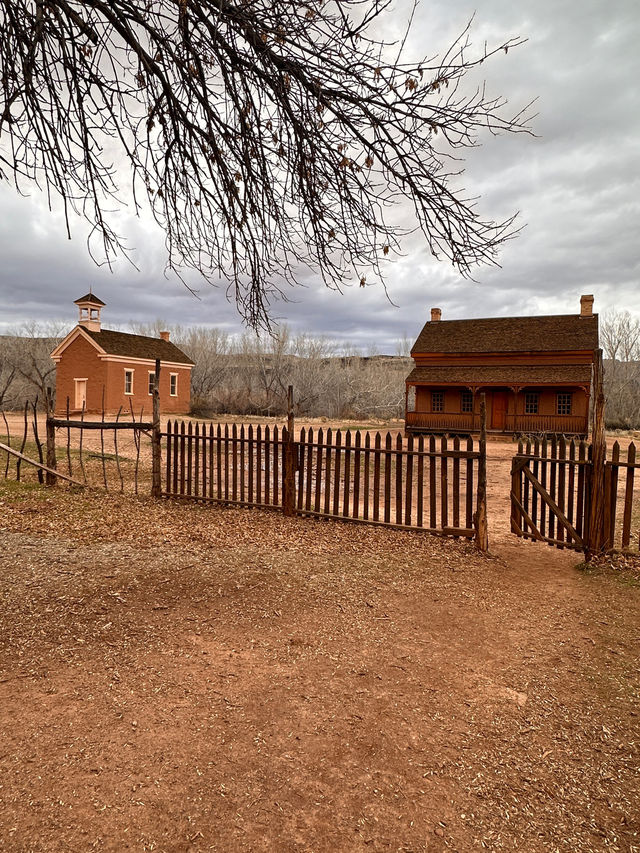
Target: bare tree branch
(265,134)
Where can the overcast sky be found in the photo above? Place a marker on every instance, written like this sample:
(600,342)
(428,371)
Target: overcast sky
(576,185)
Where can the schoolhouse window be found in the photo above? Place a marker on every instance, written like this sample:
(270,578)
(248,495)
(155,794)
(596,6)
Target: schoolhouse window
(411,398)
(466,401)
(437,401)
(128,381)
(173,384)
(531,402)
(563,404)
(152,379)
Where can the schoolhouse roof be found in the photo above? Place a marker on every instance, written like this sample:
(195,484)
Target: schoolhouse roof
(137,346)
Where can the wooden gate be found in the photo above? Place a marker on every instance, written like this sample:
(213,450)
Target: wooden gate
(553,484)
(550,490)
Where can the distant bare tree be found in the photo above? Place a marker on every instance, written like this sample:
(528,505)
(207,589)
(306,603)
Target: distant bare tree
(211,350)
(7,371)
(620,337)
(263,133)
(403,346)
(25,359)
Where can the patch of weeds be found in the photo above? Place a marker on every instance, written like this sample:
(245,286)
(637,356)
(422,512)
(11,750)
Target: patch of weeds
(19,491)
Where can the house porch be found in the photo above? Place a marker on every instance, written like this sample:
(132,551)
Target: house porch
(561,409)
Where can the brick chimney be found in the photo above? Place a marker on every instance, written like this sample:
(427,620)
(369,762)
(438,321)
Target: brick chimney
(164,336)
(436,315)
(586,306)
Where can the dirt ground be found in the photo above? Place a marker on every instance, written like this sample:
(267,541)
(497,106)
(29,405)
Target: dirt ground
(187,678)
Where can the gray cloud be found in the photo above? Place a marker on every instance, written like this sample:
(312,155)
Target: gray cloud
(577,186)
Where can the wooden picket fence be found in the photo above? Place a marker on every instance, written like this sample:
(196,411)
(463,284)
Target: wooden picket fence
(622,501)
(552,483)
(424,483)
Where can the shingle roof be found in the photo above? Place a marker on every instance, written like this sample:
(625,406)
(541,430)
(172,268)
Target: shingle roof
(575,374)
(138,346)
(510,334)
(90,297)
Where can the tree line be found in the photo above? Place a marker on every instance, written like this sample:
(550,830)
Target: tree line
(249,374)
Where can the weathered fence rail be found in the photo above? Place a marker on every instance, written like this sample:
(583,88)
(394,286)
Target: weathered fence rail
(418,483)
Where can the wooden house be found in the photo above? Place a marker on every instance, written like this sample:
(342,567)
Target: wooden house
(100,369)
(534,371)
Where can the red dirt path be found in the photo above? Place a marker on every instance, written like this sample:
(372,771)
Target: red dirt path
(187,678)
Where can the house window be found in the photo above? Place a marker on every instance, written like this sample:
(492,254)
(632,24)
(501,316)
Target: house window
(466,401)
(411,398)
(152,379)
(437,401)
(563,404)
(173,384)
(128,382)
(531,403)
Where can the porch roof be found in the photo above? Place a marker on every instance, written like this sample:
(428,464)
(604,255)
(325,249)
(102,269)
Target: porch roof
(561,374)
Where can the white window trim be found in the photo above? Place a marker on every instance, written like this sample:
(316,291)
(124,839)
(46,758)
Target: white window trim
(172,393)
(131,371)
(149,390)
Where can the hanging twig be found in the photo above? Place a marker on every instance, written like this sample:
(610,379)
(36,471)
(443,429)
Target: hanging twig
(115,447)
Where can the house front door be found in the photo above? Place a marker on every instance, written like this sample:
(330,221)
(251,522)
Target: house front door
(499,410)
(81,393)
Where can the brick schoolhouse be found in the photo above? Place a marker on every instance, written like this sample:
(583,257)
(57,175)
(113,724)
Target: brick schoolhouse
(100,369)
(534,371)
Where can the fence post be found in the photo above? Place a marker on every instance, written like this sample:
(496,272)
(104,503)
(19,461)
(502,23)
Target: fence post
(156,485)
(290,460)
(50,478)
(595,540)
(480,517)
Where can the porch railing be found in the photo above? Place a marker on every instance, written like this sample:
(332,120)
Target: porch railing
(560,424)
(443,422)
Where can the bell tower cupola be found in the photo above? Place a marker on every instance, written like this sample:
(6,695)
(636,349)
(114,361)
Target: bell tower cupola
(89,308)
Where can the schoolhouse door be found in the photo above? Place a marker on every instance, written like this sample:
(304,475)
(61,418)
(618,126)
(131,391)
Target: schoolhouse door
(81,393)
